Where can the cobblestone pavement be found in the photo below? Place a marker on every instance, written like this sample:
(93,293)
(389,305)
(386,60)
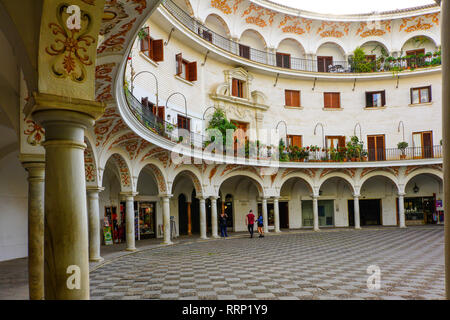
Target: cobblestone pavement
(330,264)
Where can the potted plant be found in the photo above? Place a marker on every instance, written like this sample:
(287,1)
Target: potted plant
(402,147)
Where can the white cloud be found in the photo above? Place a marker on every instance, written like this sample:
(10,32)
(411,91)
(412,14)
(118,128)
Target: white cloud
(352,6)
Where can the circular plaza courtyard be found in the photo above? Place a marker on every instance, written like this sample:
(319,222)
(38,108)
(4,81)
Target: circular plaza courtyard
(331,264)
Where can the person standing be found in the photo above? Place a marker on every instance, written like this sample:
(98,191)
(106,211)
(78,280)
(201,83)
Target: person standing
(250,221)
(260,226)
(223,225)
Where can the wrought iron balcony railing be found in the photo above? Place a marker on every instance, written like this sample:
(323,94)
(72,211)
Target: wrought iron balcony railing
(277,60)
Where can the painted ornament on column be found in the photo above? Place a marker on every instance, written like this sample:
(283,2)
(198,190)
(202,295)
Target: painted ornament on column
(70,45)
(34,132)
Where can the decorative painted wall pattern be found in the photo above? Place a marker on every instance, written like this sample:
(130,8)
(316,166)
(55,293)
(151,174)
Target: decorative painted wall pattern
(141,5)
(34,132)
(262,16)
(295,25)
(103,75)
(109,124)
(89,164)
(365,31)
(162,187)
(330,29)
(223,5)
(125,176)
(70,46)
(115,43)
(423,22)
(89,2)
(113,15)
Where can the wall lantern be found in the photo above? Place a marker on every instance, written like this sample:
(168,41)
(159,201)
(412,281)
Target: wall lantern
(416,188)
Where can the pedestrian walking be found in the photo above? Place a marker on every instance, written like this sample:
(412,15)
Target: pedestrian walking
(260,226)
(223,225)
(250,221)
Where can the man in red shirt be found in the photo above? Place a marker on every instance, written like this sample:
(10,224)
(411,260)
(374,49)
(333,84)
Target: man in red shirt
(250,221)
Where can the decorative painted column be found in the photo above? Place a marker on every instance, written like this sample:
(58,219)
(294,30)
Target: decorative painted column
(356,209)
(214,217)
(202,218)
(130,225)
(94,223)
(316,212)
(265,216)
(401,209)
(66,249)
(276,209)
(36,176)
(445,37)
(166,219)
(189,218)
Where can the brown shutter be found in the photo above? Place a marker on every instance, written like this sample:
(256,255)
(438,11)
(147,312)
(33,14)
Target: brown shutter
(383,98)
(179,59)
(411,94)
(234,88)
(429,94)
(296,98)
(286,61)
(297,141)
(158,50)
(336,100)
(380,148)
(279,60)
(369,99)
(192,71)
(244,51)
(288,96)
(162,113)
(342,142)
(327,100)
(371,148)
(427,138)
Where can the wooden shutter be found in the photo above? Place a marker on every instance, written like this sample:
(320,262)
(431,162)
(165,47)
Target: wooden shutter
(411,92)
(297,141)
(380,148)
(158,50)
(192,71)
(328,99)
(235,88)
(179,59)
(335,100)
(341,142)
(162,113)
(371,148)
(145,42)
(286,61)
(427,144)
(287,97)
(279,60)
(244,51)
(369,99)
(429,94)
(383,98)
(296,98)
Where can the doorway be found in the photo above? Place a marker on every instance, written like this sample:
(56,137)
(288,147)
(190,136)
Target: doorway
(284,215)
(369,212)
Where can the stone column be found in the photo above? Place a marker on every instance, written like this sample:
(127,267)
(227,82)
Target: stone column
(401,209)
(445,37)
(316,212)
(356,213)
(66,250)
(202,218)
(94,223)
(36,176)
(189,218)
(166,219)
(276,209)
(265,216)
(214,217)
(130,225)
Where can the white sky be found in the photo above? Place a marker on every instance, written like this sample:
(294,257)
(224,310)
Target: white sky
(352,6)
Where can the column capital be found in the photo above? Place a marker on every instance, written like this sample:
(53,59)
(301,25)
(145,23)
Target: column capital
(401,194)
(32,160)
(164,196)
(130,194)
(356,195)
(214,197)
(94,189)
(276,198)
(201,198)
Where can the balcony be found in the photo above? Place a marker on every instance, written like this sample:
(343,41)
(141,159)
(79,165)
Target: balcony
(198,142)
(381,64)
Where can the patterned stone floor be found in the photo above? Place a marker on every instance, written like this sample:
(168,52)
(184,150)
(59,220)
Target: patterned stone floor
(330,264)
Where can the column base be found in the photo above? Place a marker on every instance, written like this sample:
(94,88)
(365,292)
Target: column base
(316,230)
(216,236)
(99,259)
(130,249)
(167,243)
(357,228)
(204,238)
(403,227)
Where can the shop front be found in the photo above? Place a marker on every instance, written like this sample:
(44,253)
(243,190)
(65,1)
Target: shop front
(420,210)
(326,213)
(147,220)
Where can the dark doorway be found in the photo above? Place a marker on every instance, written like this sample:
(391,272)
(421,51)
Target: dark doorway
(195,213)
(182,215)
(369,212)
(208,215)
(229,210)
(284,215)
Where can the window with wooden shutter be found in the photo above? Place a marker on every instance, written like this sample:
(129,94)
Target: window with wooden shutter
(292,98)
(375,99)
(323,63)
(157,50)
(423,145)
(332,100)
(192,71)
(179,60)
(294,140)
(237,89)
(421,95)
(183,123)
(376,148)
(244,51)
(283,60)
